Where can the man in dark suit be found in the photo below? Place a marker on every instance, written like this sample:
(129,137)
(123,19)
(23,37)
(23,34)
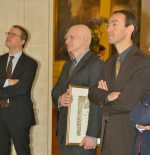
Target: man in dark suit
(124,77)
(86,73)
(140,116)
(16,109)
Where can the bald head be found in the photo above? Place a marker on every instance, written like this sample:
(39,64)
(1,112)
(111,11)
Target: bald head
(83,30)
(78,39)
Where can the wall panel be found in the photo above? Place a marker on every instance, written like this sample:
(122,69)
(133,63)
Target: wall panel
(36,16)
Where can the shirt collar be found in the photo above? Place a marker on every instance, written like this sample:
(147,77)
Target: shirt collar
(81,56)
(125,52)
(17,55)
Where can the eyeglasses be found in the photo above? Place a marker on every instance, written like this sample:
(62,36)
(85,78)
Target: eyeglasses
(11,34)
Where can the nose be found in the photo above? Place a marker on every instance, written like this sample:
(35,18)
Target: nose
(67,40)
(108,28)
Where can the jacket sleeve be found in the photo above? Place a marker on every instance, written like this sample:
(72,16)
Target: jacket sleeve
(60,87)
(95,118)
(132,92)
(24,84)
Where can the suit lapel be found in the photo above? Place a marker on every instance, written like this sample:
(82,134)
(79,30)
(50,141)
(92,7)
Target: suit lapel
(19,64)
(111,69)
(4,64)
(126,65)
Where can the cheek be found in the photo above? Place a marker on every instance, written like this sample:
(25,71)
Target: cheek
(78,43)
(9,41)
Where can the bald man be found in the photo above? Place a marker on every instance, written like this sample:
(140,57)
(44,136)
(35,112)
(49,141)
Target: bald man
(86,73)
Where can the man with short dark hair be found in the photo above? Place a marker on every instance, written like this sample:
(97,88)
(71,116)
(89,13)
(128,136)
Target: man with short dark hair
(121,85)
(17,73)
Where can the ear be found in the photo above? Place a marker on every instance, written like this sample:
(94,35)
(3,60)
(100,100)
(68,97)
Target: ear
(130,29)
(22,41)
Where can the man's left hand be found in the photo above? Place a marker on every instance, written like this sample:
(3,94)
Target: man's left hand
(142,127)
(113,96)
(12,82)
(89,142)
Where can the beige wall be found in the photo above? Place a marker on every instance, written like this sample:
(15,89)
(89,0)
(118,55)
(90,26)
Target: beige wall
(37,17)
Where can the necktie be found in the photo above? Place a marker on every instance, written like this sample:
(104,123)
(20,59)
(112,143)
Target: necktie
(117,66)
(3,102)
(9,68)
(74,61)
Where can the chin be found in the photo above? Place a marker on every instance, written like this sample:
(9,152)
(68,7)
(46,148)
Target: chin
(111,42)
(70,55)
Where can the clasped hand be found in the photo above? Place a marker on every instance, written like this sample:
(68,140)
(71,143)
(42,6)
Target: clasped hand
(146,127)
(65,99)
(89,142)
(12,82)
(111,96)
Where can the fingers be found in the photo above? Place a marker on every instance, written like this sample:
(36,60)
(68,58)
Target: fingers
(88,143)
(82,142)
(144,127)
(65,99)
(147,127)
(113,96)
(102,85)
(89,147)
(12,82)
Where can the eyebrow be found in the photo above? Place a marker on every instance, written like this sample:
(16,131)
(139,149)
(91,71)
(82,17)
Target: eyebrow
(113,21)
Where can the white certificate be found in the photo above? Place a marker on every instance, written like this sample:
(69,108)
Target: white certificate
(78,113)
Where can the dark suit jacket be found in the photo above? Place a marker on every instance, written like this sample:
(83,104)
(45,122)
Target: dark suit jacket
(19,94)
(141,112)
(142,116)
(145,142)
(86,73)
(132,79)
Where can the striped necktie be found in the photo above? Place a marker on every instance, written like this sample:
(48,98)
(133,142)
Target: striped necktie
(9,68)
(73,65)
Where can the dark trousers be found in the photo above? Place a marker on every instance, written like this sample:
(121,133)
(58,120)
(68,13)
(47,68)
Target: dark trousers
(10,129)
(75,150)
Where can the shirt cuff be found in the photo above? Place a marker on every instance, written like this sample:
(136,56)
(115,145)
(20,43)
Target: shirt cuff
(139,129)
(106,100)
(59,105)
(6,84)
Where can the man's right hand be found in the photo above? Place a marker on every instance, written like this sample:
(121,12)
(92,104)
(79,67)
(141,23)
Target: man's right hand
(12,82)
(65,99)
(102,85)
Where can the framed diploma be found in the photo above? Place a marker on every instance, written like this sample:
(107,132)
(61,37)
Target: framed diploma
(78,113)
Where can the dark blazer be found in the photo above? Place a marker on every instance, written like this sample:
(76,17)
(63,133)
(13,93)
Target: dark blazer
(145,142)
(19,94)
(86,73)
(143,119)
(131,81)
(141,112)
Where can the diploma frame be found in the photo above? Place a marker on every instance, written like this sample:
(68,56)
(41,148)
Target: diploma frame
(77,117)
